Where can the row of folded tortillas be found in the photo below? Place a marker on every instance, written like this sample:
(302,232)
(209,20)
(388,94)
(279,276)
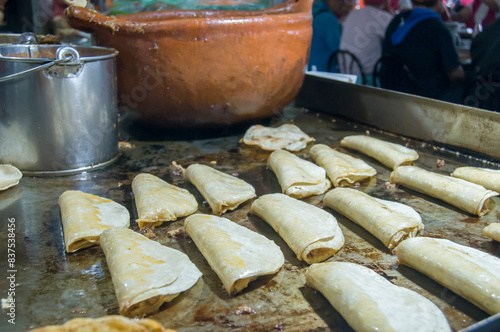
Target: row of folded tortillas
(145,273)
(465,195)
(237,254)
(369,302)
(222,191)
(471,273)
(390,154)
(298,178)
(341,168)
(390,222)
(312,233)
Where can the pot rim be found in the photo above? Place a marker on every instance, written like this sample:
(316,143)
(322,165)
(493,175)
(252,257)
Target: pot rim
(105,52)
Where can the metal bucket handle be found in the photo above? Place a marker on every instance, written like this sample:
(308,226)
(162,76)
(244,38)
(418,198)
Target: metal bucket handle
(64,55)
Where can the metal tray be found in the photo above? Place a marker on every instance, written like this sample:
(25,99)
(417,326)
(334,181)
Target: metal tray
(52,287)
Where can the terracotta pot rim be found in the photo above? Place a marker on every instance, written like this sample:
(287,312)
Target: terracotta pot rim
(290,15)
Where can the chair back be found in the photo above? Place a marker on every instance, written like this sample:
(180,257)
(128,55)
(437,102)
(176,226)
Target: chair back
(345,62)
(392,73)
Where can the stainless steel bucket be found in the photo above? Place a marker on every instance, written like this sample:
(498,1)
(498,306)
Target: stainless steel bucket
(58,108)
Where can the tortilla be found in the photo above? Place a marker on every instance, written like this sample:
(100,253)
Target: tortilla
(312,233)
(112,323)
(465,195)
(9,176)
(493,231)
(390,154)
(341,168)
(85,216)
(287,136)
(388,221)
(235,253)
(222,191)
(158,201)
(488,178)
(298,178)
(471,273)
(369,302)
(145,273)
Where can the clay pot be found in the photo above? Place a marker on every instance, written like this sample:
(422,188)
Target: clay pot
(205,67)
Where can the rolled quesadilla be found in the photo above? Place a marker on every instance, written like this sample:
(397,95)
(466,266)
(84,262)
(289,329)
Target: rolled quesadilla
(112,323)
(145,273)
(465,195)
(9,176)
(390,154)
(471,273)
(158,201)
(287,136)
(298,178)
(493,231)
(488,178)
(222,191)
(388,221)
(369,302)
(85,216)
(312,233)
(235,253)
(341,168)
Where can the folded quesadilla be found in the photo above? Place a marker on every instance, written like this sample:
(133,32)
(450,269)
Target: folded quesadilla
(488,178)
(312,233)
(158,201)
(9,176)
(388,221)
(112,323)
(222,191)
(471,273)
(465,195)
(298,178)
(287,136)
(369,302)
(145,273)
(341,168)
(85,216)
(390,154)
(235,253)
(493,231)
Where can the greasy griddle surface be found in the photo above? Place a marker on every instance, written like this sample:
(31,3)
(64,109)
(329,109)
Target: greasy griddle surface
(54,287)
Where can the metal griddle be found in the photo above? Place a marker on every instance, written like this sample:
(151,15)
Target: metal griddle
(53,287)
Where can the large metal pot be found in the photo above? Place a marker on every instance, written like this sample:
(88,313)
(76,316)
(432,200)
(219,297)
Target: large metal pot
(58,108)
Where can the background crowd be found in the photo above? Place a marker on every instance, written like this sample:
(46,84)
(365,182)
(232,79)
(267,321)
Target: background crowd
(446,51)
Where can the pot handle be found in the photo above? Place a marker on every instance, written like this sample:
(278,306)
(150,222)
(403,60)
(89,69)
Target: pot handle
(64,55)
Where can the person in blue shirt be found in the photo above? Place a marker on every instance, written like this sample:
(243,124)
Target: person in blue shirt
(327,31)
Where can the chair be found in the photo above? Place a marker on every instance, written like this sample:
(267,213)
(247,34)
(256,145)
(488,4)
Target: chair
(391,72)
(344,62)
(483,92)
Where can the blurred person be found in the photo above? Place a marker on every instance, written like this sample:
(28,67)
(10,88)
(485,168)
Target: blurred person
(420,40)
(484,51)
(478,14)
(363,34)
(327,31)
(2,11)
(483,89)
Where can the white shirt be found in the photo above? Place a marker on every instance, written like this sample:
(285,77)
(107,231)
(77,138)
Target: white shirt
(363,32)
